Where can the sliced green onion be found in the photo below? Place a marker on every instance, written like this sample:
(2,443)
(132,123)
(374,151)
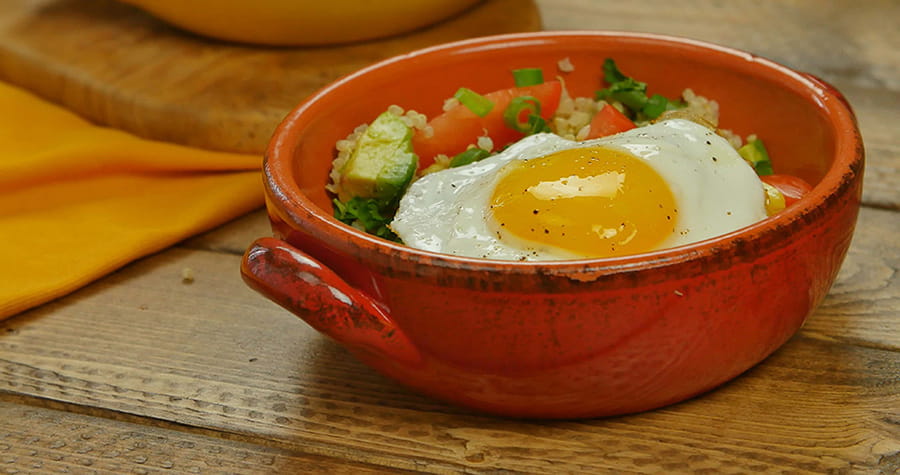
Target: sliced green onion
(537,125)
(755,153)
(528,77)
(471,155)
(473,101)
(655,105)
(516,107)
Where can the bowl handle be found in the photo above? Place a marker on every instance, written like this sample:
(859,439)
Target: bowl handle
(313,292)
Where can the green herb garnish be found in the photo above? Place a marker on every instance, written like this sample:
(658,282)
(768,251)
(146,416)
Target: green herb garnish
(528,77)
(372,214)
(471,155)
(517,106)
(537,125)
(473,101)
(632,94)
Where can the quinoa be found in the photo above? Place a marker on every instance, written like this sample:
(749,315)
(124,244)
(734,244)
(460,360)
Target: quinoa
(344,150)
(450,103)
(732,138)
(413,119)
(703,111)
(708,112)
(485,143)
(573,115)
(565,65)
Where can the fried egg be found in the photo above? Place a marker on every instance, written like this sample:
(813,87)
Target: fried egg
(545,198)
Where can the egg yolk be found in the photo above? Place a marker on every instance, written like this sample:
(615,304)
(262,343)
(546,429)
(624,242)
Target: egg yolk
(594,202)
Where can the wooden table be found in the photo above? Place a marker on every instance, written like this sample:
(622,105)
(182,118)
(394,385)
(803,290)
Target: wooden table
(142,372)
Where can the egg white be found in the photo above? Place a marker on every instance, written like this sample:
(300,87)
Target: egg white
(715,191)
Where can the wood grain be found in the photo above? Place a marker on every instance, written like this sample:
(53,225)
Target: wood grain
(53,441)
(213,356)
(142,372)
(878,113)
(118,66)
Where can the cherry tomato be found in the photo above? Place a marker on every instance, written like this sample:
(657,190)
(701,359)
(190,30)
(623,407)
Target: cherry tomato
(608,121)
(457,128)
(791,187)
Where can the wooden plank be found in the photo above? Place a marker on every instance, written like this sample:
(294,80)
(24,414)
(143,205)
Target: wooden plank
(144,372)
(854,43)
(231,97)
(40,440)
(866,293)
(233,237)
(878,113)
(118,66)
(213,355)
(767,420)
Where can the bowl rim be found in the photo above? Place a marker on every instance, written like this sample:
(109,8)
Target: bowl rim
(291,202)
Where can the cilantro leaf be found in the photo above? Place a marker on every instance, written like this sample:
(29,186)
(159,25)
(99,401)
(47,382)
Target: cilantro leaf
(632,94)
(373,215)
(655,105)
(611,73)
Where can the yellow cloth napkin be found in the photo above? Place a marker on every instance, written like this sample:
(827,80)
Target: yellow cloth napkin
(78,201)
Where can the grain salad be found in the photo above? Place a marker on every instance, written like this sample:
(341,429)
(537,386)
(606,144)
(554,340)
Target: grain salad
(377,162)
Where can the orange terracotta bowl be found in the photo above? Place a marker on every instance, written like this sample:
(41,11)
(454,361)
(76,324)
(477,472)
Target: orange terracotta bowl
(564,339)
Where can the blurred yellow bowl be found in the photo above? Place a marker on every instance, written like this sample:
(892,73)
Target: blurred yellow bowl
(301,22)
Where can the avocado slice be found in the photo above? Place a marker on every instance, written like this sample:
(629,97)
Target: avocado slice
(755,153)
(382,163)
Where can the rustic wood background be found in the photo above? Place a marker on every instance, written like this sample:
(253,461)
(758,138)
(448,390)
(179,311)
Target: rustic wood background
(143,373)
(117,65)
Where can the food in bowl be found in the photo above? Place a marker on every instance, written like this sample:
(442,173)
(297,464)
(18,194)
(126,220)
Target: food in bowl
(530,173)
(564,338)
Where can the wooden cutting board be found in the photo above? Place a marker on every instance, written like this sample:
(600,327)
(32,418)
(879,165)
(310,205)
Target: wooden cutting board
(118,66)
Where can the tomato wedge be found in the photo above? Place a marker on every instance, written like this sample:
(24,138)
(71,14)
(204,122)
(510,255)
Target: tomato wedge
(608,121)
(791,187)
(457,128)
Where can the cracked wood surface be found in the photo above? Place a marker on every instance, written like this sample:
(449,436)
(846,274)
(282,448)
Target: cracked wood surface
(141,372)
